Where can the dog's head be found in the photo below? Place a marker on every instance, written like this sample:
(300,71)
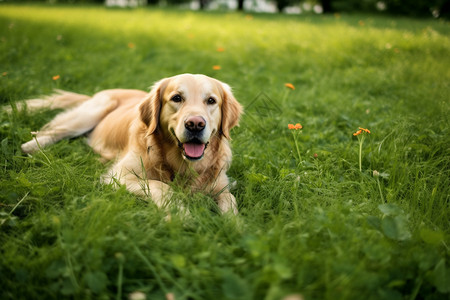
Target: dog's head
(191,109)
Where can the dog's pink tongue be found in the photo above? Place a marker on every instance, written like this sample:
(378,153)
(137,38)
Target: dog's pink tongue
(194,150)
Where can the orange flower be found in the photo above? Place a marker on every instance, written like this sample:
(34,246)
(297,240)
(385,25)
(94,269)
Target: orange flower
(217,68)
(56,77)
(297,126)
(289,85)
(361,130)
(357,133)
(131,45)
(220,49)
(4,73)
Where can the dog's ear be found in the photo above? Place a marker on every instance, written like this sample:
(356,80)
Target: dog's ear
(231,110)
(151,106)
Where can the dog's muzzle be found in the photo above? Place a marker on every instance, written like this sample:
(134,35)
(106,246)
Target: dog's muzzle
(193,146)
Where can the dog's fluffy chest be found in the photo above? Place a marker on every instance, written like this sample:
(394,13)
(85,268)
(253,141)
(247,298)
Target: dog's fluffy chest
(165,163)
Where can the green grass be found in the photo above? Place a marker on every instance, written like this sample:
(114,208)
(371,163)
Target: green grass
(316,226)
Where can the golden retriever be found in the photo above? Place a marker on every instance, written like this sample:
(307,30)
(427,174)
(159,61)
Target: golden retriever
(181,128)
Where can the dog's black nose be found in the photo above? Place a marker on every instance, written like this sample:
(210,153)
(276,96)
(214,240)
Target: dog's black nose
(195,124)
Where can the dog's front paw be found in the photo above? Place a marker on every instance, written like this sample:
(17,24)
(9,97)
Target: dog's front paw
(37,143)
(30,147)
(227,203)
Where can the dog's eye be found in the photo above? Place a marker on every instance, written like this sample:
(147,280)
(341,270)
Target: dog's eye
(176,98)
(211,101)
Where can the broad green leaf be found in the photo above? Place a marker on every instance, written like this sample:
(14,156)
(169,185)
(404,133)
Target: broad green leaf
(374,222)
(389,294)
(233,286)
(68,287)
(283,270)
(390,209)
(178,260)
(395,228)
(441,277)
(377,252)
(431,237)
(56,269)
(96,281)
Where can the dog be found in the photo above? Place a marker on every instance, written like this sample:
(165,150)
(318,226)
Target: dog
(180,129)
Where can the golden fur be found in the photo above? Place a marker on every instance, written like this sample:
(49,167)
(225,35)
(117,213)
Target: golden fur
(180,128)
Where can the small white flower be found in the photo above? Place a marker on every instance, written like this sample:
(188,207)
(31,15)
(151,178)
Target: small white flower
(137,296)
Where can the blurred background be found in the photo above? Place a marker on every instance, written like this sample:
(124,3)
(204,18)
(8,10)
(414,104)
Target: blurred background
(415,8)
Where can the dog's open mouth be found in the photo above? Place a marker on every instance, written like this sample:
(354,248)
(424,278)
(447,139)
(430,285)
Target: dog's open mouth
(193,150)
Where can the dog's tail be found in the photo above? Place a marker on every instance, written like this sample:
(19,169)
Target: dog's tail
(58,100)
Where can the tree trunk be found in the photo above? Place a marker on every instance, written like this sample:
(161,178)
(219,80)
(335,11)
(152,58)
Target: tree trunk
(326,6)
(240,5)
(281,4)
(203,4)
(445,10)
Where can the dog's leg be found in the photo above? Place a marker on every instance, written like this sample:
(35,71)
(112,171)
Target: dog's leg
(227,203)
(129,171)
(225,200)
(158,191)
(72,123)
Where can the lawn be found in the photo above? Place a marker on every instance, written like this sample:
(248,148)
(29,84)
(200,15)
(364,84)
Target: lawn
(311,223)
